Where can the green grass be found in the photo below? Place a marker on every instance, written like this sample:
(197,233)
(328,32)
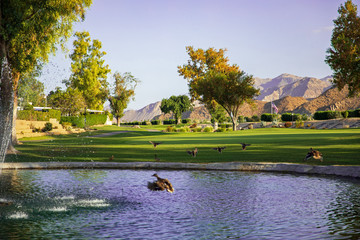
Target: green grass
(339,146)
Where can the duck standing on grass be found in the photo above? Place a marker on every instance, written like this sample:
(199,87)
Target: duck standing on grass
(160,184)
(313,154)
(193,152)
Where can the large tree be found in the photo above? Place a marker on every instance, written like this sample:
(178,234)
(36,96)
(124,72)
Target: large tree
(31,90)
(200,63)
(89,73)
(344,54)
(123,91)
(29,31)
(70,102)
(229,89)
(177,105)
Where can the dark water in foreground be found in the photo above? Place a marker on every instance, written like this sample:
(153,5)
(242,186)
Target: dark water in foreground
(115,204)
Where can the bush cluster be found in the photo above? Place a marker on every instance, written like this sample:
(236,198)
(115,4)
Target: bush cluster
(31,115)
(268,117)
(91,120)
(324,115)
(288,117)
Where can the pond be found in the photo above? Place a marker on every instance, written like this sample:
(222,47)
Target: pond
(116,204)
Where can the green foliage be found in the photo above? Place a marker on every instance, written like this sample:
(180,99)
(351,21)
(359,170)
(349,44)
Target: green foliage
(208,129)
(217,112)
(241,119)
(71,102)
(28,107)
(211,78)
(47,128)
(66,125)
(123,92)
(186,121)
(88,71)
(268,117)
(324,115)
(344,53)
(169,121)
(287,117)
(176,105)
(31,115)
(170,129)
(156,122)
(228,89)
(31,90)
(353,113)
(79,121)
(254,118)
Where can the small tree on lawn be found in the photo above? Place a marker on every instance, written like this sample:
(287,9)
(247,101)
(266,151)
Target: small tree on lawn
(229,89)
(123,92)
(177,105)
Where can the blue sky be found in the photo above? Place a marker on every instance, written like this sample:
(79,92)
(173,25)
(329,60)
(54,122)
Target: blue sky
(148,38)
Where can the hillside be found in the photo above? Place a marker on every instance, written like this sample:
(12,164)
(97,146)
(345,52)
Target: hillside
(304,87)
(302,95)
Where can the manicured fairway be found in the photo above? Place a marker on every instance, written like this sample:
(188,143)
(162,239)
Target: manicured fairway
(339,146)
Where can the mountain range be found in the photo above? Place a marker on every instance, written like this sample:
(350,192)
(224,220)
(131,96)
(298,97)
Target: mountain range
(290,93)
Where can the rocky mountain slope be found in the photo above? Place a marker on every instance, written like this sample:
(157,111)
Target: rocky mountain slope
(302,95)
(294,86)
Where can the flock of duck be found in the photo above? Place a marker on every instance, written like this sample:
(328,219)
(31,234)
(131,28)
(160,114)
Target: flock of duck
(162,184)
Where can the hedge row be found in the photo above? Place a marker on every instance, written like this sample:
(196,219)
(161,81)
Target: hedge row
(91,120)
(31,115)
(324,115)
(268,117)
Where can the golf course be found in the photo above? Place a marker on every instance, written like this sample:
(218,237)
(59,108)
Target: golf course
(125,144)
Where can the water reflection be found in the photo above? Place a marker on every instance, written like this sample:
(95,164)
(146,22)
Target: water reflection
(87,204)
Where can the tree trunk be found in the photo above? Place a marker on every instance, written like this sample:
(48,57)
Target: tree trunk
(14,141)
(118,121)
(234,123)
(6,103)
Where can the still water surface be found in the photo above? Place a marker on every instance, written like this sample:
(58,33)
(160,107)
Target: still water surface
(116,204)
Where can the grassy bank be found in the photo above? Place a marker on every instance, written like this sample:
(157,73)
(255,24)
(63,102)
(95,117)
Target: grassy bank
(339,146)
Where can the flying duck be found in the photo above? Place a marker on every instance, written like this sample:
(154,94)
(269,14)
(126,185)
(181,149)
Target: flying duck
(313,154)
(160,184)
(155,143)
(219,149)
(244,145)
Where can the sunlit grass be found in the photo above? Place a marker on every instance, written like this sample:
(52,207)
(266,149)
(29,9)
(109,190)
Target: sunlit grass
(339,146)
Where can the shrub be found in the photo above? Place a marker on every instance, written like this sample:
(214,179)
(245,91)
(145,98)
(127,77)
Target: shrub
(209,129)
(156,122)
(66,125)
(28,107)
(324,115)
(345,114)
(170,129)
(169,121)
(268,117)
(288,124)
(287,117)
(198,129)
(186,121)
(304,117)
(221,130)
(91,120)
(31,115)
(255,118)
(48,127)
(354,113)
(299,124)
(241,119)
